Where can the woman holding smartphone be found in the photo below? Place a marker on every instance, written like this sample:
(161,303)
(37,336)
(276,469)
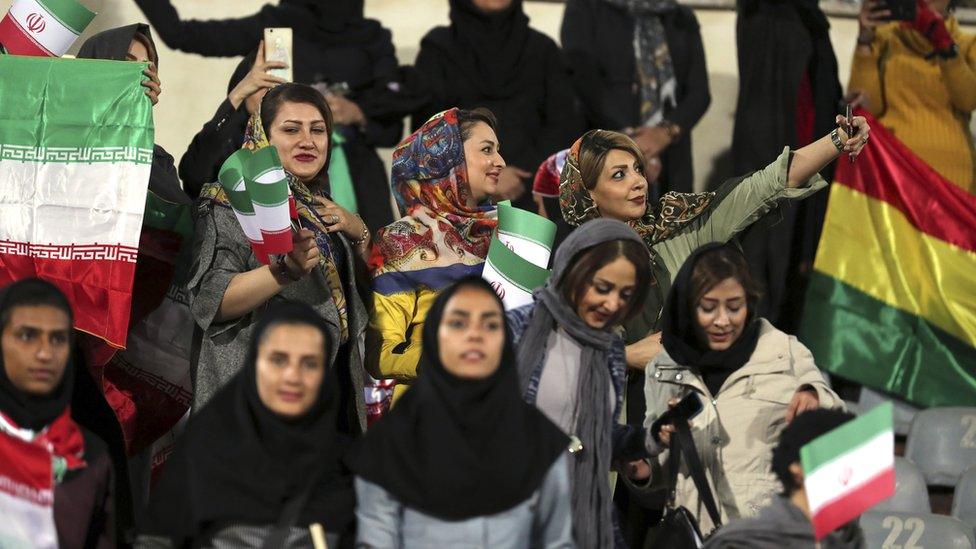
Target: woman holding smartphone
(751,378)
(230,289)
(918,78)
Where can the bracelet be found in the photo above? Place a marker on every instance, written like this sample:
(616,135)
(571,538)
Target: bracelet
(835,138)
(364,236)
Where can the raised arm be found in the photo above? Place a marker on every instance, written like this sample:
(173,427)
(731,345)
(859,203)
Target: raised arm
(809,160)
(214,37)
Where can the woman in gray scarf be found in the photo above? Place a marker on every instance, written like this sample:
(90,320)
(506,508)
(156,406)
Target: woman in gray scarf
(571,358)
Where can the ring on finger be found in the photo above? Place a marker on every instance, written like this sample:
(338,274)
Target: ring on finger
(335,219)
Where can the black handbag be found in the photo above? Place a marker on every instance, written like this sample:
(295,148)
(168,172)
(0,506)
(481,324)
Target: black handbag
(678,528)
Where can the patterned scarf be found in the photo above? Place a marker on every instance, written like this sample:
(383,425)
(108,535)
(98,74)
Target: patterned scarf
(655,72)
(659,222)
(440,238)
(254,139)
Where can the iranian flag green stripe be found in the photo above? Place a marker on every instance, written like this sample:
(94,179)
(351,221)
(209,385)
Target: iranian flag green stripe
(850,469)
(232,180)
(44,28)
(75,155)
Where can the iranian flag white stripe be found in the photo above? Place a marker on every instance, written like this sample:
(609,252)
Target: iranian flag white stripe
(43,27)
(76,149)
(26,493)
(850,469)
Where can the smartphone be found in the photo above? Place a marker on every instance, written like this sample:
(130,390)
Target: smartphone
(277,47)
(901,10)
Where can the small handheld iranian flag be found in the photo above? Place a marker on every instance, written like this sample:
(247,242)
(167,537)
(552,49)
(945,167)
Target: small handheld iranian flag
(850,469)
(518,255)
(267,185)
(45,28)
(231,177)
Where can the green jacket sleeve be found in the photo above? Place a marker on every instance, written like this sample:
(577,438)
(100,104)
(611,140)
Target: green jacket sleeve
(739,205)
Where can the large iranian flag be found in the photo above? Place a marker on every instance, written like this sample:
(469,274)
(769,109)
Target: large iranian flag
(76,146)
(850,469)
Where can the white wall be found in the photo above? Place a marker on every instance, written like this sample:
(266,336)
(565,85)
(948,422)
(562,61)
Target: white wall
(193,86)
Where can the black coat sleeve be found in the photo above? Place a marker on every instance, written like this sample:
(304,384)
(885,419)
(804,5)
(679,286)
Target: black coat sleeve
(218,139)
(578,34)
(216,38)
(694,102)
(431,75)
(384,103)
(562,122)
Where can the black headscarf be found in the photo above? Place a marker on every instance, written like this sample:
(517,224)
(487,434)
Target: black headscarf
(459,448)
(240,462)
(679,330)
(489,47)
(31,411)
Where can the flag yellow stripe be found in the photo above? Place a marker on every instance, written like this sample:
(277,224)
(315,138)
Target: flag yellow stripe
(870,245)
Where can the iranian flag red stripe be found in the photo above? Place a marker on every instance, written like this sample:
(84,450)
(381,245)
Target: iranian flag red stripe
(75,154)
(849,470)
(17,41)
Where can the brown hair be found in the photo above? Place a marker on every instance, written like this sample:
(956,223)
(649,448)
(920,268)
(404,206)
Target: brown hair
(584,266)
(595,145)
(468,118)
(716,265)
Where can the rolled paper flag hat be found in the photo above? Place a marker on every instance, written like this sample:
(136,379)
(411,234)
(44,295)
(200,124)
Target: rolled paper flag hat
(44,28)
(267,184)
(231,177)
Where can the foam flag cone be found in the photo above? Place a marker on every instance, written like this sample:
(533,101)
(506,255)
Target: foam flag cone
(850,469)
(231,177)
(518,255)
(44,28)
(267,185)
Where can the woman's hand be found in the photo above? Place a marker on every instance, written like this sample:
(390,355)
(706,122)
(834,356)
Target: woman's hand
(153,85)
(640,353)
(870,18)
(803,400)
(344,111)
(511,183)
(664,435)
(256,80)
(854,144)
(304,255)
(339,219)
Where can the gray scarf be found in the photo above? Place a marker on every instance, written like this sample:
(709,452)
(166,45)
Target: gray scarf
(655,73)
(591,500)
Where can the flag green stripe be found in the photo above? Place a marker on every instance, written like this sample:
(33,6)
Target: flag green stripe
(57,106)
(70,13)
(846,438)
(518,271)
(167,216)
(863,339)
(525,224)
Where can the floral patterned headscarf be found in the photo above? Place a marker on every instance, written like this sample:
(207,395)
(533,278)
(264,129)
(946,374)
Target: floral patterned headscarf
(659,222)
(440,236)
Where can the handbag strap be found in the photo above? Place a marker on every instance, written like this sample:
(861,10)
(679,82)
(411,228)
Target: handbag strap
(289,515)
(687,446)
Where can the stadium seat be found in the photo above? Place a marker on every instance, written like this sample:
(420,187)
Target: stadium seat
(916,530)
(942,443)
(904,412)
(911,495)
(964,501)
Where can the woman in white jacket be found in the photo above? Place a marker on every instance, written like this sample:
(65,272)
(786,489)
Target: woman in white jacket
(752,380)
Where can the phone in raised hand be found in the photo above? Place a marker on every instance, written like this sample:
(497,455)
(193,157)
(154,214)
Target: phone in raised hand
(278,47)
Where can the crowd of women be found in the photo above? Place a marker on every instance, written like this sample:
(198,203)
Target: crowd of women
(549,425)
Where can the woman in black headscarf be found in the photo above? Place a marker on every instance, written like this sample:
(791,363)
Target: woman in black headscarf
(260,465)
(43,452)
(461,456)
(335,49)
(490,57)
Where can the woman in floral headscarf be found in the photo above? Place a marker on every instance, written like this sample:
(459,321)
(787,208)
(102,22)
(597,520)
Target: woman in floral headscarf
(229,289)
(604,176)
(441,173)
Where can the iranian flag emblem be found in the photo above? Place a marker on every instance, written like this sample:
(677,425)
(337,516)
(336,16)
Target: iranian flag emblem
(850,469)
(45,28)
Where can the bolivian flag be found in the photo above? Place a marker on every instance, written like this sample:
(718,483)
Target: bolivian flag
(892,299)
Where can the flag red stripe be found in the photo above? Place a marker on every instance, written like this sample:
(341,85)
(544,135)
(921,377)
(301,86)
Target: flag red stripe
(277,242)
(887,170)
(16,40)
(850,506)
(99,290)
